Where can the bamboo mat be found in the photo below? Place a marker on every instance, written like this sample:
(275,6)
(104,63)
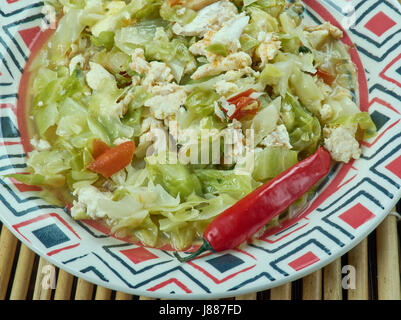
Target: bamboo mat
(375,268)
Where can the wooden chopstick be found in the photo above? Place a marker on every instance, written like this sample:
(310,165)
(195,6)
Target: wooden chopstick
(312,286)
(8,245)
(249,296)
(22,273)
(388,272)
(146,298)
(84,290)
(358,259)
(102,293)
(123,296)
(43,291)
(281,293)
(64,286)
(332,279)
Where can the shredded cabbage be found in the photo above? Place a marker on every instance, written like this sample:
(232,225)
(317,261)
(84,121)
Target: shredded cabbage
(175,178)
(272,161)
(201,102)
(220,182)
(304,129)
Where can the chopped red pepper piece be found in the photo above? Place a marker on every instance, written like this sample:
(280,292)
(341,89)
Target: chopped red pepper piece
(328,78)
(244,105)
(238,223)
(113,160)
(247,93)
(99,147)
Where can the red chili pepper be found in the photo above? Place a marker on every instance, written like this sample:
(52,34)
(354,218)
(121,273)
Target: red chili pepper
(238,223)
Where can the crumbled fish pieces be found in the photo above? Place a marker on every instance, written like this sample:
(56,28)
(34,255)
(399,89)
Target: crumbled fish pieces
(163,106)
(231,32)
(318,35)
(233,142)
(96,75)
(334,31)
(228,36)
(235,61)
(225,88)
(341,143)
(234,75)
(150,129)
(159,72)
(209,18)
(139,63)
(326,112)
(268,48)
(278,138)
(89,199)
